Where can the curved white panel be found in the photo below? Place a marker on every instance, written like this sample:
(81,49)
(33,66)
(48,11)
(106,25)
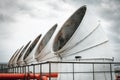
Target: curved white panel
(44,48)
(20,61)
(11,59)
(29,55)
(14,62)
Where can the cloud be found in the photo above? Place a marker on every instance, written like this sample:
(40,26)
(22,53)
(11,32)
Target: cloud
(23,20)
(8,8)
(110,12)
(8,11)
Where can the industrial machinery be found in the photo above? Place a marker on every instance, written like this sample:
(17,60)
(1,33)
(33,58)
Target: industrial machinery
(80,50)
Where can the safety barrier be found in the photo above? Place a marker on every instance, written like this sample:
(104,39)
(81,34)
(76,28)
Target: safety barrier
(54,70)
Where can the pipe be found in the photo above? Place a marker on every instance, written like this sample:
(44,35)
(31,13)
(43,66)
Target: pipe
(53,75)
(43,78)
(8,76)
(11,76)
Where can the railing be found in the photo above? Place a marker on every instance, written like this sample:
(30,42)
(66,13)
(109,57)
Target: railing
(69,70)
(3,67)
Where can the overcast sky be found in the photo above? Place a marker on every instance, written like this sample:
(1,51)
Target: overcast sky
(23,20)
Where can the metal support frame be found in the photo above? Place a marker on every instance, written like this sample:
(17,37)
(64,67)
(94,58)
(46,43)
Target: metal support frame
(22,69)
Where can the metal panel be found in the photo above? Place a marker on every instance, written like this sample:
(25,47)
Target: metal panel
(44,47)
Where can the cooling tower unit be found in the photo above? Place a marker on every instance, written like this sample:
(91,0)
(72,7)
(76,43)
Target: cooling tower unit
(43,51)
(82,35)
(14,62)
(11,59)
(29,55)
(20,61)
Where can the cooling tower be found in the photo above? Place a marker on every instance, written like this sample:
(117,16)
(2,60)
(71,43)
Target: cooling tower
(28,58)
(14,61)
(20,61)
(43,51)
(82,36)
(11,59)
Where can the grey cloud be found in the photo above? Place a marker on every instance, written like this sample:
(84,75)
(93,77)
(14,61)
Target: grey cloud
(55,5)
(8,8)
(115,38)
(115,27)
(49,9)
(111,11)
(112,15)
(4,18)
(84,2)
